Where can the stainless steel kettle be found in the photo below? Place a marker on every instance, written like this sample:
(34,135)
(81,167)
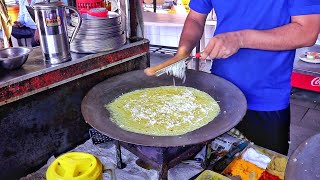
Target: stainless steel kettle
(52,25)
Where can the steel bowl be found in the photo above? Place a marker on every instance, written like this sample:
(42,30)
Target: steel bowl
(13,58)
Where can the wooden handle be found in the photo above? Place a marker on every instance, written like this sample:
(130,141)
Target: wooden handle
(152,70)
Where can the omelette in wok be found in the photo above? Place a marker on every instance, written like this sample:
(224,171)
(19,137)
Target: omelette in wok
(163,111)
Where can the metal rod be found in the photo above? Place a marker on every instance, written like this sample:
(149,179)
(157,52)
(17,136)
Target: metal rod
(127,17)
(120,164)
(133,19)
(206,161)
(197,64)
(163,172)
(154,6)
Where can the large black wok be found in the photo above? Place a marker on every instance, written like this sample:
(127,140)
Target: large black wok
(231,100)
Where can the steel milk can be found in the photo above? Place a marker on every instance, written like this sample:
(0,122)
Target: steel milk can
(52,25)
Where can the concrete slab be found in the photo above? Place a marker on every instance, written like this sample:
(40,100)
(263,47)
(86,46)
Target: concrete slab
(298,135)
(318,107)
(297,113)
(311,120)
(303,102)
(305,95)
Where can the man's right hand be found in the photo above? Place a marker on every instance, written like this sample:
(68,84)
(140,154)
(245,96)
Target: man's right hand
(223,45)
(17,24)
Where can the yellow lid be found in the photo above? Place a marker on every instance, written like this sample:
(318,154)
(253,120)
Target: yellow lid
(207,174)
(75,166)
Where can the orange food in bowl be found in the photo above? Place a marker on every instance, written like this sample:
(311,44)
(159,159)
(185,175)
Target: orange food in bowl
(244,169)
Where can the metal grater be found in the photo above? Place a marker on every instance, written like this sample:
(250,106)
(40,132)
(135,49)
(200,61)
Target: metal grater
(97,137)
(175,69)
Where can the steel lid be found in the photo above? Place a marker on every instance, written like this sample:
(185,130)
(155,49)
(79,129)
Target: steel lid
(46,5)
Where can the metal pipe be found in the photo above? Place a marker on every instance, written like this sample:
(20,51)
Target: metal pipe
(197,63)
(128,18)
(133,19)
(125,18)
(155,6)
(120,164)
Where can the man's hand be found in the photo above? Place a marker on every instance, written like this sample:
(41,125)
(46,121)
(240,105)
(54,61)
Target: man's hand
(36,36)
(222,45)
(17,24)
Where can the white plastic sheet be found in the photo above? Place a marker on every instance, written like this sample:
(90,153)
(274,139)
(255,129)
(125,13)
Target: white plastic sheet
(106,153)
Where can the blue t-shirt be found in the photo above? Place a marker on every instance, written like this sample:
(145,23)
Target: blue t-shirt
(263,76)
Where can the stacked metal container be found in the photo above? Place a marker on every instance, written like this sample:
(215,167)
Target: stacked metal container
(97,34)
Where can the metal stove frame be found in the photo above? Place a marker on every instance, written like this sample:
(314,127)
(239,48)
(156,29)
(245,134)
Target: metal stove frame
(161,158)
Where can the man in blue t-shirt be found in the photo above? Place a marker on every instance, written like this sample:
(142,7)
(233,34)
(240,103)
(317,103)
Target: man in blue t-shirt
(254,47)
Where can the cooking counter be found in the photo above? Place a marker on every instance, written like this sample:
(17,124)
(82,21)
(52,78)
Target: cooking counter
(36,76)
(306,75)
(40,104)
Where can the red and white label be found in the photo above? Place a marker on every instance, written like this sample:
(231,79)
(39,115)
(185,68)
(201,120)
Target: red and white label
(315,81)
(304,81)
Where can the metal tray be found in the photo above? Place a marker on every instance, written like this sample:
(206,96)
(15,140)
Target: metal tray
(271,154)
(112,20)
(98,44)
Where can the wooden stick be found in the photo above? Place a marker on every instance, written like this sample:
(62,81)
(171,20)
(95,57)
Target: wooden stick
(152,70)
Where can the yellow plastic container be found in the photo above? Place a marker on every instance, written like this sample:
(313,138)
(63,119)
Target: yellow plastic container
(210,175)
(13,12)
(185,2)
(75,166)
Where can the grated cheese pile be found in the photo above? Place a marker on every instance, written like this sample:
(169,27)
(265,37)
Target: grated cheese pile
(177,70)
(163,111)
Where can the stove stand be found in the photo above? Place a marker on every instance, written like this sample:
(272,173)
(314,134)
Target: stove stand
(159,158)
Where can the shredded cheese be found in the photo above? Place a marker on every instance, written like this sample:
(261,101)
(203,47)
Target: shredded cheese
(169,110)
(177,70)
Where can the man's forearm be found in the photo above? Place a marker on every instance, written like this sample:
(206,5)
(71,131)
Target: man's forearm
(191,34)
(291,36)
(284,38)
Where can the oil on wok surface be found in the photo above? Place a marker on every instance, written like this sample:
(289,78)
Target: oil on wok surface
(231,100)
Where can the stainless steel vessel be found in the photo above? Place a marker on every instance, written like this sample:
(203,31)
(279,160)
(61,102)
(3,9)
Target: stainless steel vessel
(52,24)
(13,58)
(97,34)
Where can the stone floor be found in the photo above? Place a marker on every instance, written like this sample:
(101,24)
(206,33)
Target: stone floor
(305,105)
(305,116)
